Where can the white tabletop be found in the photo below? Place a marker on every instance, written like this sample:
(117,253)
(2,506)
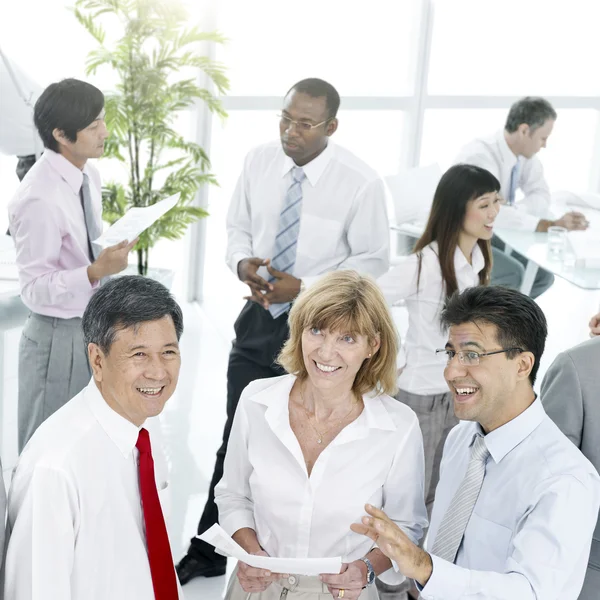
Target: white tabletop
(534,247)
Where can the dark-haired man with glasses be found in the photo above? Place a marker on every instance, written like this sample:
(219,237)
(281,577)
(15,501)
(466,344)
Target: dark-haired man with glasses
(303,206)
(517,502)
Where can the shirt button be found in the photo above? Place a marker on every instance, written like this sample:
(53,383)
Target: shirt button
(292,580)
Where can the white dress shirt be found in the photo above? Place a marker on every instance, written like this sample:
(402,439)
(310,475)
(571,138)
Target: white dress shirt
(378,458)
(75,509)
(344,222)
(492,153)
(530,532)
(424,371)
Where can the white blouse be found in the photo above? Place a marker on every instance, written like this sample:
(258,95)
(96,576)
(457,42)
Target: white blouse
(424,371)
(376,459)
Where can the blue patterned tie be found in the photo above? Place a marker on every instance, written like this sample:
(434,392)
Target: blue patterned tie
(514,180)
(284,252)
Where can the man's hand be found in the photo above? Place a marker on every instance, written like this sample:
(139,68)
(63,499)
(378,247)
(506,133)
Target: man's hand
(256,580)
(284,289)
(572,221)
(395,544)
(595,325)
(110,261)
(247,269)
(352,579)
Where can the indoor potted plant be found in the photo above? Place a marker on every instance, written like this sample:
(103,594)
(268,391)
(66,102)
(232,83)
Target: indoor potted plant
(155,59)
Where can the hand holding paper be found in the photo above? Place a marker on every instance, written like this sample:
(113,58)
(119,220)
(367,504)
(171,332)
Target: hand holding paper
(135,221)
(216,536)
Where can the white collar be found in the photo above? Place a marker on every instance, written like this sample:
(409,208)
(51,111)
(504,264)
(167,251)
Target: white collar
(315,168)
(508,156)
(276,399)
(122,432)
(507,437)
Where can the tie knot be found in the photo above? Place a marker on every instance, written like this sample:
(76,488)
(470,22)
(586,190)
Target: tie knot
(298,174)
(479,450)
(143,442)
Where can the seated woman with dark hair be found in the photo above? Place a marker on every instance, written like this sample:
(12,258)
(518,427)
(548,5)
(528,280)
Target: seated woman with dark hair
(308,449)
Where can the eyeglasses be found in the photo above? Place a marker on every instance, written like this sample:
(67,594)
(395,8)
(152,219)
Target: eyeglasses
(300,125)
(470,358)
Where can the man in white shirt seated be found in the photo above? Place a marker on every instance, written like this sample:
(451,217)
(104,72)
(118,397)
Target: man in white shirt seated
(517,502)
(85,501)
(303,207)
(510,155)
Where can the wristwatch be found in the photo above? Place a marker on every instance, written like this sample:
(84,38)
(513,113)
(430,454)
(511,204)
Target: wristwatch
(370,571)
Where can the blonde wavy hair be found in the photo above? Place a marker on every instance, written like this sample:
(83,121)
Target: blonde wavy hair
(352,303)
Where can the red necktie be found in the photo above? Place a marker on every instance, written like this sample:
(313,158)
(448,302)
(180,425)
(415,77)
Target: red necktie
(159,550)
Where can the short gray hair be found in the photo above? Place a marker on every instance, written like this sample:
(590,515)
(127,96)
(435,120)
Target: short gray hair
(532,111)
(125,302)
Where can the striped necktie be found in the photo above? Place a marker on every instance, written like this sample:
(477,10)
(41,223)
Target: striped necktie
(286,241)
(514,183)
(94,229)
(455,521)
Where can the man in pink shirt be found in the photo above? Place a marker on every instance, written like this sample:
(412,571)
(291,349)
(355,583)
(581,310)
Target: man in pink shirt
(54,216)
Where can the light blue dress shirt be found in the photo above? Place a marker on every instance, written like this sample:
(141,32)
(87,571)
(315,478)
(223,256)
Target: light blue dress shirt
(530,532)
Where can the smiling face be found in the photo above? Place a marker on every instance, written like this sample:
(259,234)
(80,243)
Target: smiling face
(480,215)
(139,373)
(333,358)
(484,393)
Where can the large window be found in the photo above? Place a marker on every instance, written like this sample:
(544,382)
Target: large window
(515,47)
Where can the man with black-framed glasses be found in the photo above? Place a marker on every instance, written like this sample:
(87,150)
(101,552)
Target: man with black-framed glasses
(517,502)
(303,207)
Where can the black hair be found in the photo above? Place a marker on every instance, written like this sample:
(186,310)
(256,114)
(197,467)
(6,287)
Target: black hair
(69,105)
(125,302)
(459,185)
(318,88)
(519,321)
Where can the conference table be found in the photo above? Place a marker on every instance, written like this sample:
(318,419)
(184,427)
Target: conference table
(573,265)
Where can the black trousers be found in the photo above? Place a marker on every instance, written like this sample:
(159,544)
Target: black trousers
(259,338)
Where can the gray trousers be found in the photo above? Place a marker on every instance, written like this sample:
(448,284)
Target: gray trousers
(53,367)
(436,418)
(510,270)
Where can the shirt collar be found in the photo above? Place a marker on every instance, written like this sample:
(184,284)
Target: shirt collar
(508,156)
(315,168)
(375,413)
(122,432)
(67,170)
(477,259)
(502,440)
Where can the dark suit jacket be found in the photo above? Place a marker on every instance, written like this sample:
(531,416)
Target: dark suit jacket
(571,397)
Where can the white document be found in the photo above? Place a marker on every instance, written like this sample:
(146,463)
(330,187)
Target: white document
(135,221)
(216,536)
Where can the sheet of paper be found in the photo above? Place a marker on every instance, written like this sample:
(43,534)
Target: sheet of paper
(216,536)
(135,221)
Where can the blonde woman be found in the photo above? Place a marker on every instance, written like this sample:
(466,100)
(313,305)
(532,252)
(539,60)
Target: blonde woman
(310,448)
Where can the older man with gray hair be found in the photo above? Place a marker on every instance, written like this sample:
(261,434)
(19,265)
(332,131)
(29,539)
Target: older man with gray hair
(510,154)
(85,502)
